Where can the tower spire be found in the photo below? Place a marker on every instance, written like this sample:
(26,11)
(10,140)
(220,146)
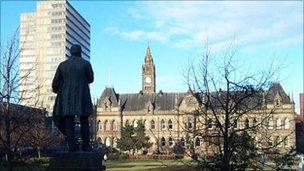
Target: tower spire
(148,57)
(148,73)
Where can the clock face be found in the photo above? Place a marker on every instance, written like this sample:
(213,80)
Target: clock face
(148,80)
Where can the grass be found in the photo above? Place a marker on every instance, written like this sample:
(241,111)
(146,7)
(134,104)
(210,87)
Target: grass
(132,165)
(145,165)
(26,168)
(125,165)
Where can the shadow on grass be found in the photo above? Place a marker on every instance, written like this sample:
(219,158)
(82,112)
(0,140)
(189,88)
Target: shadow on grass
(25,168)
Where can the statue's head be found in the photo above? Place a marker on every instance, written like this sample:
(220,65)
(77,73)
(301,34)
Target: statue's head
(75,50)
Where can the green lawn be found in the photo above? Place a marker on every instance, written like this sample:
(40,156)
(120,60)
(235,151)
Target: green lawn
(124,165)
(144,165)
(136,165)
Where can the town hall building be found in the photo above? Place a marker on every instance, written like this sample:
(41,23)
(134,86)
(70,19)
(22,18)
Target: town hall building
(168,116)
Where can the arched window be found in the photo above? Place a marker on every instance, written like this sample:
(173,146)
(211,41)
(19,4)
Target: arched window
(286,142)
(145,124)
(107,125)
(99,125)
(107,104)
(270,123)
(254,122)
(270,142)
(279,141)
(108,141)
(209,123)
(99,141)
(152,124)
(170,141)
(135,124)
(279,123)
(115,142)
(113,125)
(163,142)
(127,122)
(182,142)
(286,123)
(278,102)
(197,142)
(189,124)
(170,124)
(247,123)
(235,124)
(163,124)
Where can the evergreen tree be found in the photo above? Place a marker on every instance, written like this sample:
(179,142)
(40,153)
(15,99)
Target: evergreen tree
(141,141)
(125,143)
(133,138)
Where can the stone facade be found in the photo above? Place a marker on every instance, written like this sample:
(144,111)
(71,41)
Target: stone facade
(170,117)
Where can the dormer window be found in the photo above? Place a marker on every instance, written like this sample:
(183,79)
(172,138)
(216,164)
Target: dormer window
(160,93)
(277,99)
(189,124)
(152,124)
(163,125)
(107,104)
(278,102)
(150,107)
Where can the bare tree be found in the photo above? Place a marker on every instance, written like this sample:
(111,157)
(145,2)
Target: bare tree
(18,123)
(236,114)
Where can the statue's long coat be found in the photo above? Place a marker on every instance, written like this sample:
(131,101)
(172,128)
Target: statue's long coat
(71,84)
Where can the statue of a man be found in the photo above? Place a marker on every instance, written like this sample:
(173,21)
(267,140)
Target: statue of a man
(71,84)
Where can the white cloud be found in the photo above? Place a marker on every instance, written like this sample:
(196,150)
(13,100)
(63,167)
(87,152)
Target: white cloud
(285,42)
(134,13)
(189,24)
(138,34)
(133,35)
(112,30)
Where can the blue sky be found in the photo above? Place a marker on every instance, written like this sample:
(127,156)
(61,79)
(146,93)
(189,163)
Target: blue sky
(176,32)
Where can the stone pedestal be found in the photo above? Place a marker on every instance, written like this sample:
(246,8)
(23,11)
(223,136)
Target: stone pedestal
(76,161)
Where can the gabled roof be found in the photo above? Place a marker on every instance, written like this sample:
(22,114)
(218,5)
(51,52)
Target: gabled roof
(111,94)
(168,101)
(277,89)
(139,101)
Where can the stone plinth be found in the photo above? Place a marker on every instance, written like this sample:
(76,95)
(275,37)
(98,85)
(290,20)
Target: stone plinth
(76,161)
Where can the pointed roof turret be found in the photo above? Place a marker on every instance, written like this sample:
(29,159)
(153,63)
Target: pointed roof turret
(276,90)
(148,57)
(109,93)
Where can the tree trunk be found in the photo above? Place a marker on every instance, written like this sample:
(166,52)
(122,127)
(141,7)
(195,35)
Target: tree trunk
(38,151)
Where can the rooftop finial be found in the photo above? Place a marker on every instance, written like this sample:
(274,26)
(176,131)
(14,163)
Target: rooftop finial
(292,100)
(148,52)
(109,76)
(148,57)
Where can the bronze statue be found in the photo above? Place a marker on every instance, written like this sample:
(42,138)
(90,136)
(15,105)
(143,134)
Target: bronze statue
(71,84)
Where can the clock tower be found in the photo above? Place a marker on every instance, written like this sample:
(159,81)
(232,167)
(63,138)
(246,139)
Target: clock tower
(148,73)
